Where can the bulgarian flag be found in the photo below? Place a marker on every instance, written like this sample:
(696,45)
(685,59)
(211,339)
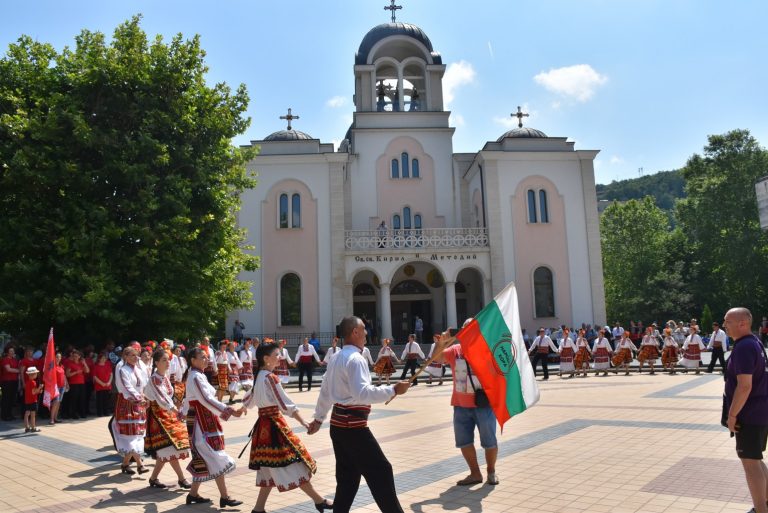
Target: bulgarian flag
(49,373)
(493,345)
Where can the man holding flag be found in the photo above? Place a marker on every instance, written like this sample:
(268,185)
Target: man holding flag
(492,379)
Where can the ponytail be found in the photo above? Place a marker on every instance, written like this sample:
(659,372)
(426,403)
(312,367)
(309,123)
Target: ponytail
(192,352)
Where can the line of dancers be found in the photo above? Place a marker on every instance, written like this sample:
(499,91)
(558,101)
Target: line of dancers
(578,357)
(175,416)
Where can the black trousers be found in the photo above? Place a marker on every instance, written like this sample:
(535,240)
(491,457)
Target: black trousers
(77,401)
(9,398)
(102,402)
(358,455)
(305,369)
(412,364)
(717,354)
(544,359)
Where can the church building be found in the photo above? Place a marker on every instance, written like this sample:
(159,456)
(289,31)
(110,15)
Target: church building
(395,224)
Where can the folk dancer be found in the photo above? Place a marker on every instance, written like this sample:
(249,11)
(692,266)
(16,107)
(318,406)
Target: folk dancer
(649,350)
(206,437)
(211,372)
(222,370)
(434,369)
(305,355)
(284,360)
(278,456)
(692,348)
(332,351)
(718,345)
(583,355)
(166,439)
(411,355)
(669,352)
(367,356)
(384,366)
(601,353)
(233,377)
(541,345)
(348,391)
(567,351)
(246,359)
(176,368)
(128,425)
(622,356)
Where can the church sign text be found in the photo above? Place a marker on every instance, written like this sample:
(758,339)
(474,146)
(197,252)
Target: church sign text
(434,257)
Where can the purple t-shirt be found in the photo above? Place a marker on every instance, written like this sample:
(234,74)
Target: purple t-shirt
(747,357)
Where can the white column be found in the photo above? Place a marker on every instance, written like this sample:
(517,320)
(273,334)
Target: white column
(450,304)
(487,292)
(386,311)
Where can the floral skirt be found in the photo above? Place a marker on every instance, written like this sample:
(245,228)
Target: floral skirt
(648,353)
(384,366)
(622,356)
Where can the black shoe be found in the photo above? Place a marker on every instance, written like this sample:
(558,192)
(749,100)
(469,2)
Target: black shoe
(155,483)
(183,483)
(126,470)
(324,505)
(228,502)
(196,499)
(141,469)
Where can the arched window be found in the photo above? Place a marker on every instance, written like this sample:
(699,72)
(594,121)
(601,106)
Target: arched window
(395,169)
(531,206)
(407,218)
(296,211)
(290,300)
(396,222)
(409,287)
(544,292)
(404,159)
(543,208)
(283,211)
(364,289)
(417,221)
(415,168)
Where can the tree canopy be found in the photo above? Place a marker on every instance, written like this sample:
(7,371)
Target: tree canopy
(119,189)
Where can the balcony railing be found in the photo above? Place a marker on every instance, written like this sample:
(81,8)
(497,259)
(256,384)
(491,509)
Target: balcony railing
(434,238)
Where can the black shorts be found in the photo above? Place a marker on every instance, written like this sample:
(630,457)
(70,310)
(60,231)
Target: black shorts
(30,407)
(750,441)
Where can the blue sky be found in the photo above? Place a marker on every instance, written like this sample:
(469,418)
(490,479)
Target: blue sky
(644,81)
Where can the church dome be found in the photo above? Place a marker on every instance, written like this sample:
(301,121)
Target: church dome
(288,135)
(386,30)
(523,133)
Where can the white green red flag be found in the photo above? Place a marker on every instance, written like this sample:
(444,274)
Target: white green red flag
(493,345)
(50,392)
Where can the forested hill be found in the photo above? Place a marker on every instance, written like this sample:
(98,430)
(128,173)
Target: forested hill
(665,187)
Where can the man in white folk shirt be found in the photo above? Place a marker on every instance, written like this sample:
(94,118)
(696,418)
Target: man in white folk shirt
(410,356)
(541,346)
(718,346)
(348,390)
(304,356)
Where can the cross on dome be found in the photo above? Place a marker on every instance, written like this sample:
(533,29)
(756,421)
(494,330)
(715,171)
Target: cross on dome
(519,115)
(392,7)
(290,117)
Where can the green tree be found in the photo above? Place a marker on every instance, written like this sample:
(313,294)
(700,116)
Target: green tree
(643,281)
(720,219)
(119,189)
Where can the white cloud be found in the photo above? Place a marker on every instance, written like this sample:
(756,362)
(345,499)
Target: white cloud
(458,74)
(336,101)
(578,82)
(490,49)
(456,120)
(616,160)
(556,105)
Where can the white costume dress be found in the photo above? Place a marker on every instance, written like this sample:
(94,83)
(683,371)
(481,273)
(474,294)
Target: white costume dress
(246,372)
(601,354)
(129,423)
(566,361)
(235,366)
(692,348)
(434,369)
(284,360)
(206,436)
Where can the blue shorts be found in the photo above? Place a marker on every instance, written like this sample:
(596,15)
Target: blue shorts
(464,422)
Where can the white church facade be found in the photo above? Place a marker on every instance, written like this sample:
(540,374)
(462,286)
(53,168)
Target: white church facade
(395,225)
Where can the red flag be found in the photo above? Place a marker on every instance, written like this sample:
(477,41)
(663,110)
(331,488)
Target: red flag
(49,373)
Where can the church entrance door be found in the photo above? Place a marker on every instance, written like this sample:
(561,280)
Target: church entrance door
(404,319)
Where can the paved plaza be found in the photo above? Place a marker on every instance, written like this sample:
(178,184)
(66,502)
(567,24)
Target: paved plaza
(636,443)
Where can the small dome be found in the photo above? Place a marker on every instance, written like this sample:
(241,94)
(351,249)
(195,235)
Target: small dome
(523,133)
(288,135)
(386,30)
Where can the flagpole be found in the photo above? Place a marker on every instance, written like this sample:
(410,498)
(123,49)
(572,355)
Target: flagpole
(435,354)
